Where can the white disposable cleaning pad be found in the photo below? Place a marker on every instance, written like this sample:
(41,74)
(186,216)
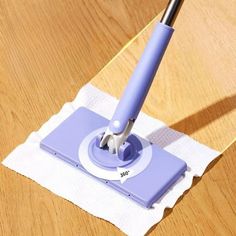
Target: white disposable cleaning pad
(94,197)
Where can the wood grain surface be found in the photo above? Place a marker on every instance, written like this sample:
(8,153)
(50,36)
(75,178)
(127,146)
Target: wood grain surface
(50,49)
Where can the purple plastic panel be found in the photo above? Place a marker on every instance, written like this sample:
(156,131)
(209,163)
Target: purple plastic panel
(145,188)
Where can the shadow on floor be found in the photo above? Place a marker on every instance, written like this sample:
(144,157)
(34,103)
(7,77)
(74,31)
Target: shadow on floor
(165,136)
(205,116)
(188,126)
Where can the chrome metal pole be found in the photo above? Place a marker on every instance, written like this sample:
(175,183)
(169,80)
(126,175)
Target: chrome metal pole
(171,12)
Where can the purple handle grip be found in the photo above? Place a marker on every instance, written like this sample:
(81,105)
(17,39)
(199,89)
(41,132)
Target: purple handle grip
(136,91)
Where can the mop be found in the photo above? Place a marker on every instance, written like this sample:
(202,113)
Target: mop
(107,150)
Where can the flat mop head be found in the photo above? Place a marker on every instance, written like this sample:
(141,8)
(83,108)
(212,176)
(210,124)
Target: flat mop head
(144,174)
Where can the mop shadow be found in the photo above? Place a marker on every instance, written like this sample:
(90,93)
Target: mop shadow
(188,126)
(205,116)
(164,136)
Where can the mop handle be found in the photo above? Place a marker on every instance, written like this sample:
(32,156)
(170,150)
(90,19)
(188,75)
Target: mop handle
(139,84)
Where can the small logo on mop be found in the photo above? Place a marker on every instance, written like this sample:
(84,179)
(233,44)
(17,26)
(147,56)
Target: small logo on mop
(124,174)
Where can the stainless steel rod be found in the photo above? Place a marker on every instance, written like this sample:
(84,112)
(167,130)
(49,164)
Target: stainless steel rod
(171,12)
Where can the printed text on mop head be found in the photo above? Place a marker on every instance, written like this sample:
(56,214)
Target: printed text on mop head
(124,173)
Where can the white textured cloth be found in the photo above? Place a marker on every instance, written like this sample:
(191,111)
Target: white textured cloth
(94,197)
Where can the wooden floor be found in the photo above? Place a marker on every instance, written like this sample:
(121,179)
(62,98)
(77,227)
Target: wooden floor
(49,49)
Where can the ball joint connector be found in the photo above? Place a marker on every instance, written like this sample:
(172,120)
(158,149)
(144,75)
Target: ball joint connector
(124,152)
